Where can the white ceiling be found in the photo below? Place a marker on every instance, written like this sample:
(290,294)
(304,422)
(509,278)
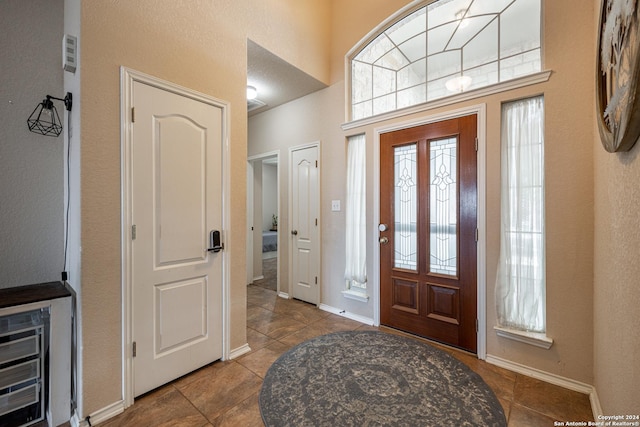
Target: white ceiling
(277,81)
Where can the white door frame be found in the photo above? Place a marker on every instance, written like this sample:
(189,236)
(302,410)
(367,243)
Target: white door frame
(127,79)
(250,160)
(290,210)
(480,111)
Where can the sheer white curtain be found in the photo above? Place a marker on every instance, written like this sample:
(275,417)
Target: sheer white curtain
(355,211)
(520,284)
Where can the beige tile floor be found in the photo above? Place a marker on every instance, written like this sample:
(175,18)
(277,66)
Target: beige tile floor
(226,393)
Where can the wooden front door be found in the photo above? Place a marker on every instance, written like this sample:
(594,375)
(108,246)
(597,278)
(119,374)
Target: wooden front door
(428,204)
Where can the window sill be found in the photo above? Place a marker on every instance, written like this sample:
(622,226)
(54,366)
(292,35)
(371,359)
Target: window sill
(355,295)
(532,338)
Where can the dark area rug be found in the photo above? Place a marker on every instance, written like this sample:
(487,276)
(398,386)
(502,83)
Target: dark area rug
(374,379)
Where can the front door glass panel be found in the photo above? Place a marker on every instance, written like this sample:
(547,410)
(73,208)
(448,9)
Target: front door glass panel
(443,205)
(406,207)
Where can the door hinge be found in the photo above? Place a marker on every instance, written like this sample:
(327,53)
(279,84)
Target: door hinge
(133,114)
(133,232)
(477,235)
(316,280)
(316,163)
(477,326)
(316,222)
(134,349)
(476,143)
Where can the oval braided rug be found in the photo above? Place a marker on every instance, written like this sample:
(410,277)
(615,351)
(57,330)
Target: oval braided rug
(374,379)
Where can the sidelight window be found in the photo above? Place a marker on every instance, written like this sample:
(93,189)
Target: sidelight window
(520,284)
(356,215)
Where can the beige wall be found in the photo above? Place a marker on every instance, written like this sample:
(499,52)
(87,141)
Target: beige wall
(198,44)
(569,53)
(616,276)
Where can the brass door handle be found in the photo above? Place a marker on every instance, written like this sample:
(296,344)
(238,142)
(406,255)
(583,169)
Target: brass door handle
(383,240)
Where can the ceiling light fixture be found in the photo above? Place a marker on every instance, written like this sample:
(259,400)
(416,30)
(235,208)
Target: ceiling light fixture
(458,84)
(252,92)
(45,119)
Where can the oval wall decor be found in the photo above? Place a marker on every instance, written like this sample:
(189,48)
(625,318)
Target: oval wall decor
(618,75)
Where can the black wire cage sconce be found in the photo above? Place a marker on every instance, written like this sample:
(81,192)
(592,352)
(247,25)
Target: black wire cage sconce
(45,119)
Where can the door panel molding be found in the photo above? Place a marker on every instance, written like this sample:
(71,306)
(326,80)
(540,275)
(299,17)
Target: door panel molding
(480,111)
(127,79)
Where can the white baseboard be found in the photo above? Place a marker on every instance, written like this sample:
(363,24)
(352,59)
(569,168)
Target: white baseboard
(99,416)
(348,315)
(237,352)
(258,278)
(595,405)
(548,377)
(283,295)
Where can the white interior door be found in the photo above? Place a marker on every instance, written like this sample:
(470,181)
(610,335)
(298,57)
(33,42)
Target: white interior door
(176,202)
(249,223)
(305,201)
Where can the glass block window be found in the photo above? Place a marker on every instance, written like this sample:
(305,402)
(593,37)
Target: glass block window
(445,48)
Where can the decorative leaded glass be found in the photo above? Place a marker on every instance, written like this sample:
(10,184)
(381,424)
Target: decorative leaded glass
(406,207)
(443,214)
(444,48)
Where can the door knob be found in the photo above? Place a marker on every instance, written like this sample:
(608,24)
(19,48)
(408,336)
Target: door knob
(383,240)
(294,232)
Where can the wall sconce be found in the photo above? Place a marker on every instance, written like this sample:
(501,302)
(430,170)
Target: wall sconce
(45,119)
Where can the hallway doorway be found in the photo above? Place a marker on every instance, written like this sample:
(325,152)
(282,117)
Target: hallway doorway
(263,202)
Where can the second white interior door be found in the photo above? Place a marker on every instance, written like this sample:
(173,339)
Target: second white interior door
(305,204)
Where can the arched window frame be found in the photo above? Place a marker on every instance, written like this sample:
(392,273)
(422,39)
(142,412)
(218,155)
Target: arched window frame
(535,77)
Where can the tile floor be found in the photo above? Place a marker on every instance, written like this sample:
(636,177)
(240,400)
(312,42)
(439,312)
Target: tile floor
(226,393)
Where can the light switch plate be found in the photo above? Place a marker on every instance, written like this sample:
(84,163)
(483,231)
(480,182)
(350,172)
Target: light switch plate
(335,205)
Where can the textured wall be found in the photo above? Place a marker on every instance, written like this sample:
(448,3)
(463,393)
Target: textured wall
(617,278)
(31,165)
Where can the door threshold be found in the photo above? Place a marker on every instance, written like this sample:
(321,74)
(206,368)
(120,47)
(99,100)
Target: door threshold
(431,341)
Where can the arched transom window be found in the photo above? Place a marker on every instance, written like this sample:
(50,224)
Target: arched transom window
(442,49)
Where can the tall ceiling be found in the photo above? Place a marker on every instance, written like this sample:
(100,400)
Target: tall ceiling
(277,81)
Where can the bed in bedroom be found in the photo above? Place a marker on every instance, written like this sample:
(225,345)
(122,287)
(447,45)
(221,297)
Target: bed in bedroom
(269,241)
